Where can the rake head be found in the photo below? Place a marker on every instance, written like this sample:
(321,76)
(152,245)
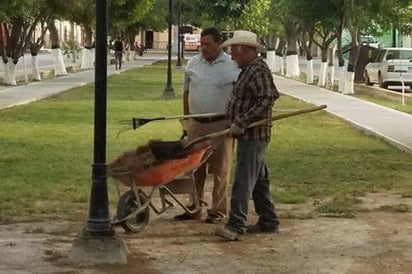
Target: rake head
(132,124)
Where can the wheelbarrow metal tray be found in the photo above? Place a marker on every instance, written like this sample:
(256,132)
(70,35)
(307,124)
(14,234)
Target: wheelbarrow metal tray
(169,170)
(161,172)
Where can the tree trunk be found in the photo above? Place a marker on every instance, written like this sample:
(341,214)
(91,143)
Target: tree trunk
(59,66)
(35,68)
(271,54)
(279,57)
(323,66)
(353,58)
(342,77)
(88,52)
(341,61)
(330,78)
(11,67)
(292,60)
(306,44)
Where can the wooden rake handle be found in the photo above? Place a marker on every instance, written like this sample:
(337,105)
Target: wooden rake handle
(258,123)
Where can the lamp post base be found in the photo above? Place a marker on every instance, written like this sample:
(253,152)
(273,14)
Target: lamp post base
(88,248)
(168,93)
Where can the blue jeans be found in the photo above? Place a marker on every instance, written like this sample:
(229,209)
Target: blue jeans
(251,180)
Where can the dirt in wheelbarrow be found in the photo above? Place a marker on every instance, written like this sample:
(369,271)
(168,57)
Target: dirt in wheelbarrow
(374,241)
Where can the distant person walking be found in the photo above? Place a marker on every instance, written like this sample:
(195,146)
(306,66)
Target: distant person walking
(118,53)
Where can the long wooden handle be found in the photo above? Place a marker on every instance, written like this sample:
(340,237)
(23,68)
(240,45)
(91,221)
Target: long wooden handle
(286,115)
(187,116)
(258,123)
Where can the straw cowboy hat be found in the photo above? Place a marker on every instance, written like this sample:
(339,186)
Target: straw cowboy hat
(243,37)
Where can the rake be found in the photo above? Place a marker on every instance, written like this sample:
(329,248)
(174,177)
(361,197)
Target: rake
(167,150)
(135,123)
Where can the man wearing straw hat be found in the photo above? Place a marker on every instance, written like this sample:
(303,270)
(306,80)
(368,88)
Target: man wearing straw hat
(251,100)
(209,79)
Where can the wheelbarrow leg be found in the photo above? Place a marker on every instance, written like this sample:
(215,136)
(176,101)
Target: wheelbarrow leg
(182,185)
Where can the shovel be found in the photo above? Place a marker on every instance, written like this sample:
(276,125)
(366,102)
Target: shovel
(176,149)
(138,122)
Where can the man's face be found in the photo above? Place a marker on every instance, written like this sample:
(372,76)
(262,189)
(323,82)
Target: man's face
(209,47)
(236,53)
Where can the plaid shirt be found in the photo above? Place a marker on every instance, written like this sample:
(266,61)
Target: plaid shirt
(252,100)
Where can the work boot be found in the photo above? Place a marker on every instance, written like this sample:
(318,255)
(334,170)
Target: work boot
(258,229)
(228,233)
(214,217)
(187,216)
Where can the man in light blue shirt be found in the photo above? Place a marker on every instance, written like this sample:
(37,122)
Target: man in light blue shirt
(209,80)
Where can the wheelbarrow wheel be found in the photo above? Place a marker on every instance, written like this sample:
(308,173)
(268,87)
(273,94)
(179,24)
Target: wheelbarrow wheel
(126,205)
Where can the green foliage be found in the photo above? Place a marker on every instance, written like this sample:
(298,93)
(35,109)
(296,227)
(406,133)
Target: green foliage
(123,13)
(81,12)
(221,12)
(155,18)
(255,17)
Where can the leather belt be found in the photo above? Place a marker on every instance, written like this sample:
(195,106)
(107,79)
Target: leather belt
(209,119)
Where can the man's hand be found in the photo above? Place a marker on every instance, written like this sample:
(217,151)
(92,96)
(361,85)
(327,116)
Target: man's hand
(235,130)
(184,135)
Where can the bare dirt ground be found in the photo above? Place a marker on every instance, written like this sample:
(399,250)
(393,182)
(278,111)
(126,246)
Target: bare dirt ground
(375,241)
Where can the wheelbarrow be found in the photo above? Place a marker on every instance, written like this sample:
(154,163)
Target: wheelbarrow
(141,170)
(167,167)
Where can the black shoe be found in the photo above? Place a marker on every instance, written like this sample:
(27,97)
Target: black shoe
(213,218)
(184,217)
(257,228)
(187,216)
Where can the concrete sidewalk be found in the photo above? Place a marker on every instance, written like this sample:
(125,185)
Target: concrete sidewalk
(391,125)
(23,94)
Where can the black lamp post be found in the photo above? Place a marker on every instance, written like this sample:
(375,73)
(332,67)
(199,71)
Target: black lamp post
(169,92)
(97,242)
(99,223)
(179,37)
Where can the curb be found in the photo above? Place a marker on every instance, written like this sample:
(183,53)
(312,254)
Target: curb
(44,74)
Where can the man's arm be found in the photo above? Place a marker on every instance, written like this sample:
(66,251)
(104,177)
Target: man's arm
(186,102)
(186,94)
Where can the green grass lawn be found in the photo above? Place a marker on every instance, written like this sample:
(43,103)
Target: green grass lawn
(395,104)
(46,149)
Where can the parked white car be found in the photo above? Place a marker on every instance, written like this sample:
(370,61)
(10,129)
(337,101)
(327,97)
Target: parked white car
(369,41)
(390,67)
(191,42)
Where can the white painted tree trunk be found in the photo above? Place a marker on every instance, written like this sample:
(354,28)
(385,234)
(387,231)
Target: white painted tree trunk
(132,55)
(292,66)
(309,71)
(322,74)
(59,66)
(349,82)
(341,85)
(35,68)
(6,78)
(330,82)
(270,57)
(282,66)
(278,64)
(26,76)
(12,73)
(87,59)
